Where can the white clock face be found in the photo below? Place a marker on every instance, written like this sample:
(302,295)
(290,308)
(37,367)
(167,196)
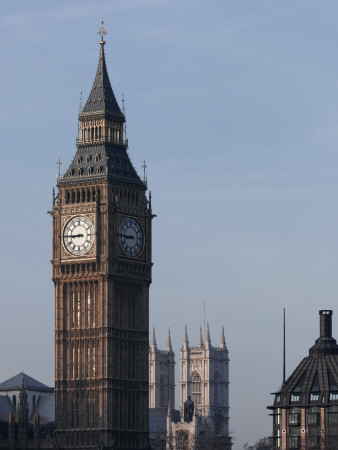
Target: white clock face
(131,237)
(78,235)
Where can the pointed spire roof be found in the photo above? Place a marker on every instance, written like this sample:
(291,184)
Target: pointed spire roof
(169,347)
(153,340)
(222,344)
(23,381)
(185,338)
(207,337)
(200,339)
(169,410)
(101,98)
(102,157)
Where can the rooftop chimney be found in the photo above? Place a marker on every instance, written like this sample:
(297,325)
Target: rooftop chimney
(325,323)
(325,344)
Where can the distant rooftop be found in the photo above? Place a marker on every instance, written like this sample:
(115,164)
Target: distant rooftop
(23,380)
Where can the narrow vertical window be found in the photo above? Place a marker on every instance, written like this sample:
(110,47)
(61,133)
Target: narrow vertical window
(73,309)
(88,361)
(78,361)
(88,308)
(93,368)
(196,389)
(93,307)
(78,309)
(73,361)
(162,392)
(216,388)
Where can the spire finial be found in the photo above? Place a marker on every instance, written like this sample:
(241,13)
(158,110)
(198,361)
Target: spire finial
(144,167)
(207,337)
(102,32)
(185,339)
(200,340)
(222,345)
(59,163)
(169,347)
(153,340)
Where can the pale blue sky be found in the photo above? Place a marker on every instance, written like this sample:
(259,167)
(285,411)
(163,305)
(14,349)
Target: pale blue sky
(233,104)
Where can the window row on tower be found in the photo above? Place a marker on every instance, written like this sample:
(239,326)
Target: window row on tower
(96,131)
(82,195)
(80,269)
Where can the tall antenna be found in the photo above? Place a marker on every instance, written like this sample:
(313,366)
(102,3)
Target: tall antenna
(204,319)
(283,346)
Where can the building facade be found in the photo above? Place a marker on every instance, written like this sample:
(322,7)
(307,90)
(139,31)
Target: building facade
(102,273)
(161,391)
(204,390)
(305,408)
(204,376)
(161,375)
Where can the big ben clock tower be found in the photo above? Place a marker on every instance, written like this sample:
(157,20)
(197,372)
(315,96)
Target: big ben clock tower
(102,273)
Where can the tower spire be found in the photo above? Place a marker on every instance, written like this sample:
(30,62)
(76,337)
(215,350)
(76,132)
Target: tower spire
(200,340)
(169,347)
(153,340)
(185,344)
(101,98)
(207,337)
(222,344)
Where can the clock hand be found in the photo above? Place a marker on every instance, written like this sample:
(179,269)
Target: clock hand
(75,235)
(127,237)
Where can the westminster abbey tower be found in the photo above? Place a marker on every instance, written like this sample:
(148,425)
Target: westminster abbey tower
(102,273)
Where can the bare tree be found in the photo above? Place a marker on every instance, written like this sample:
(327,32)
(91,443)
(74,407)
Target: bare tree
(209,440)
(263,444)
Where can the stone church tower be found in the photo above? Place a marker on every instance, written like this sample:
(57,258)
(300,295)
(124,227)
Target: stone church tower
(204,376)
(161,375)
(101,272)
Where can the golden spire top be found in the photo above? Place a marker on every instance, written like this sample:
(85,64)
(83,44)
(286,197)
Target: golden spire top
(102,32)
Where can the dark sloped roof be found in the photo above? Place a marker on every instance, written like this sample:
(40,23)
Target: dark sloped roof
(23,380)
(101,98)
(317,374)
(102,162)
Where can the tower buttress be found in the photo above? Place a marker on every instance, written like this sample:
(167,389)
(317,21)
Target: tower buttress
(161,375)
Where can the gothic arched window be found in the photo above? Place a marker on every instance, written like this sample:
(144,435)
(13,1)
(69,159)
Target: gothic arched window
(216,388)
(196,389)
(162,396)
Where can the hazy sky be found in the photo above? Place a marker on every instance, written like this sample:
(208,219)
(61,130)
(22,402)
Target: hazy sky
(233,104)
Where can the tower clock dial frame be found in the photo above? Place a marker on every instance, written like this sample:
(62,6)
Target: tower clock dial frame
(78,235)
(131,237)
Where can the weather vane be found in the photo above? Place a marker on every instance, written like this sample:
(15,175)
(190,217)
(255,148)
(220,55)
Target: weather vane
(102,31)
(144,166)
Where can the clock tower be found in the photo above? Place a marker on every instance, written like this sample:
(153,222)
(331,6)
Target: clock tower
(102,273)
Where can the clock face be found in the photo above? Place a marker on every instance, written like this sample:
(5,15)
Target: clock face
(131,237)
(78,235)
